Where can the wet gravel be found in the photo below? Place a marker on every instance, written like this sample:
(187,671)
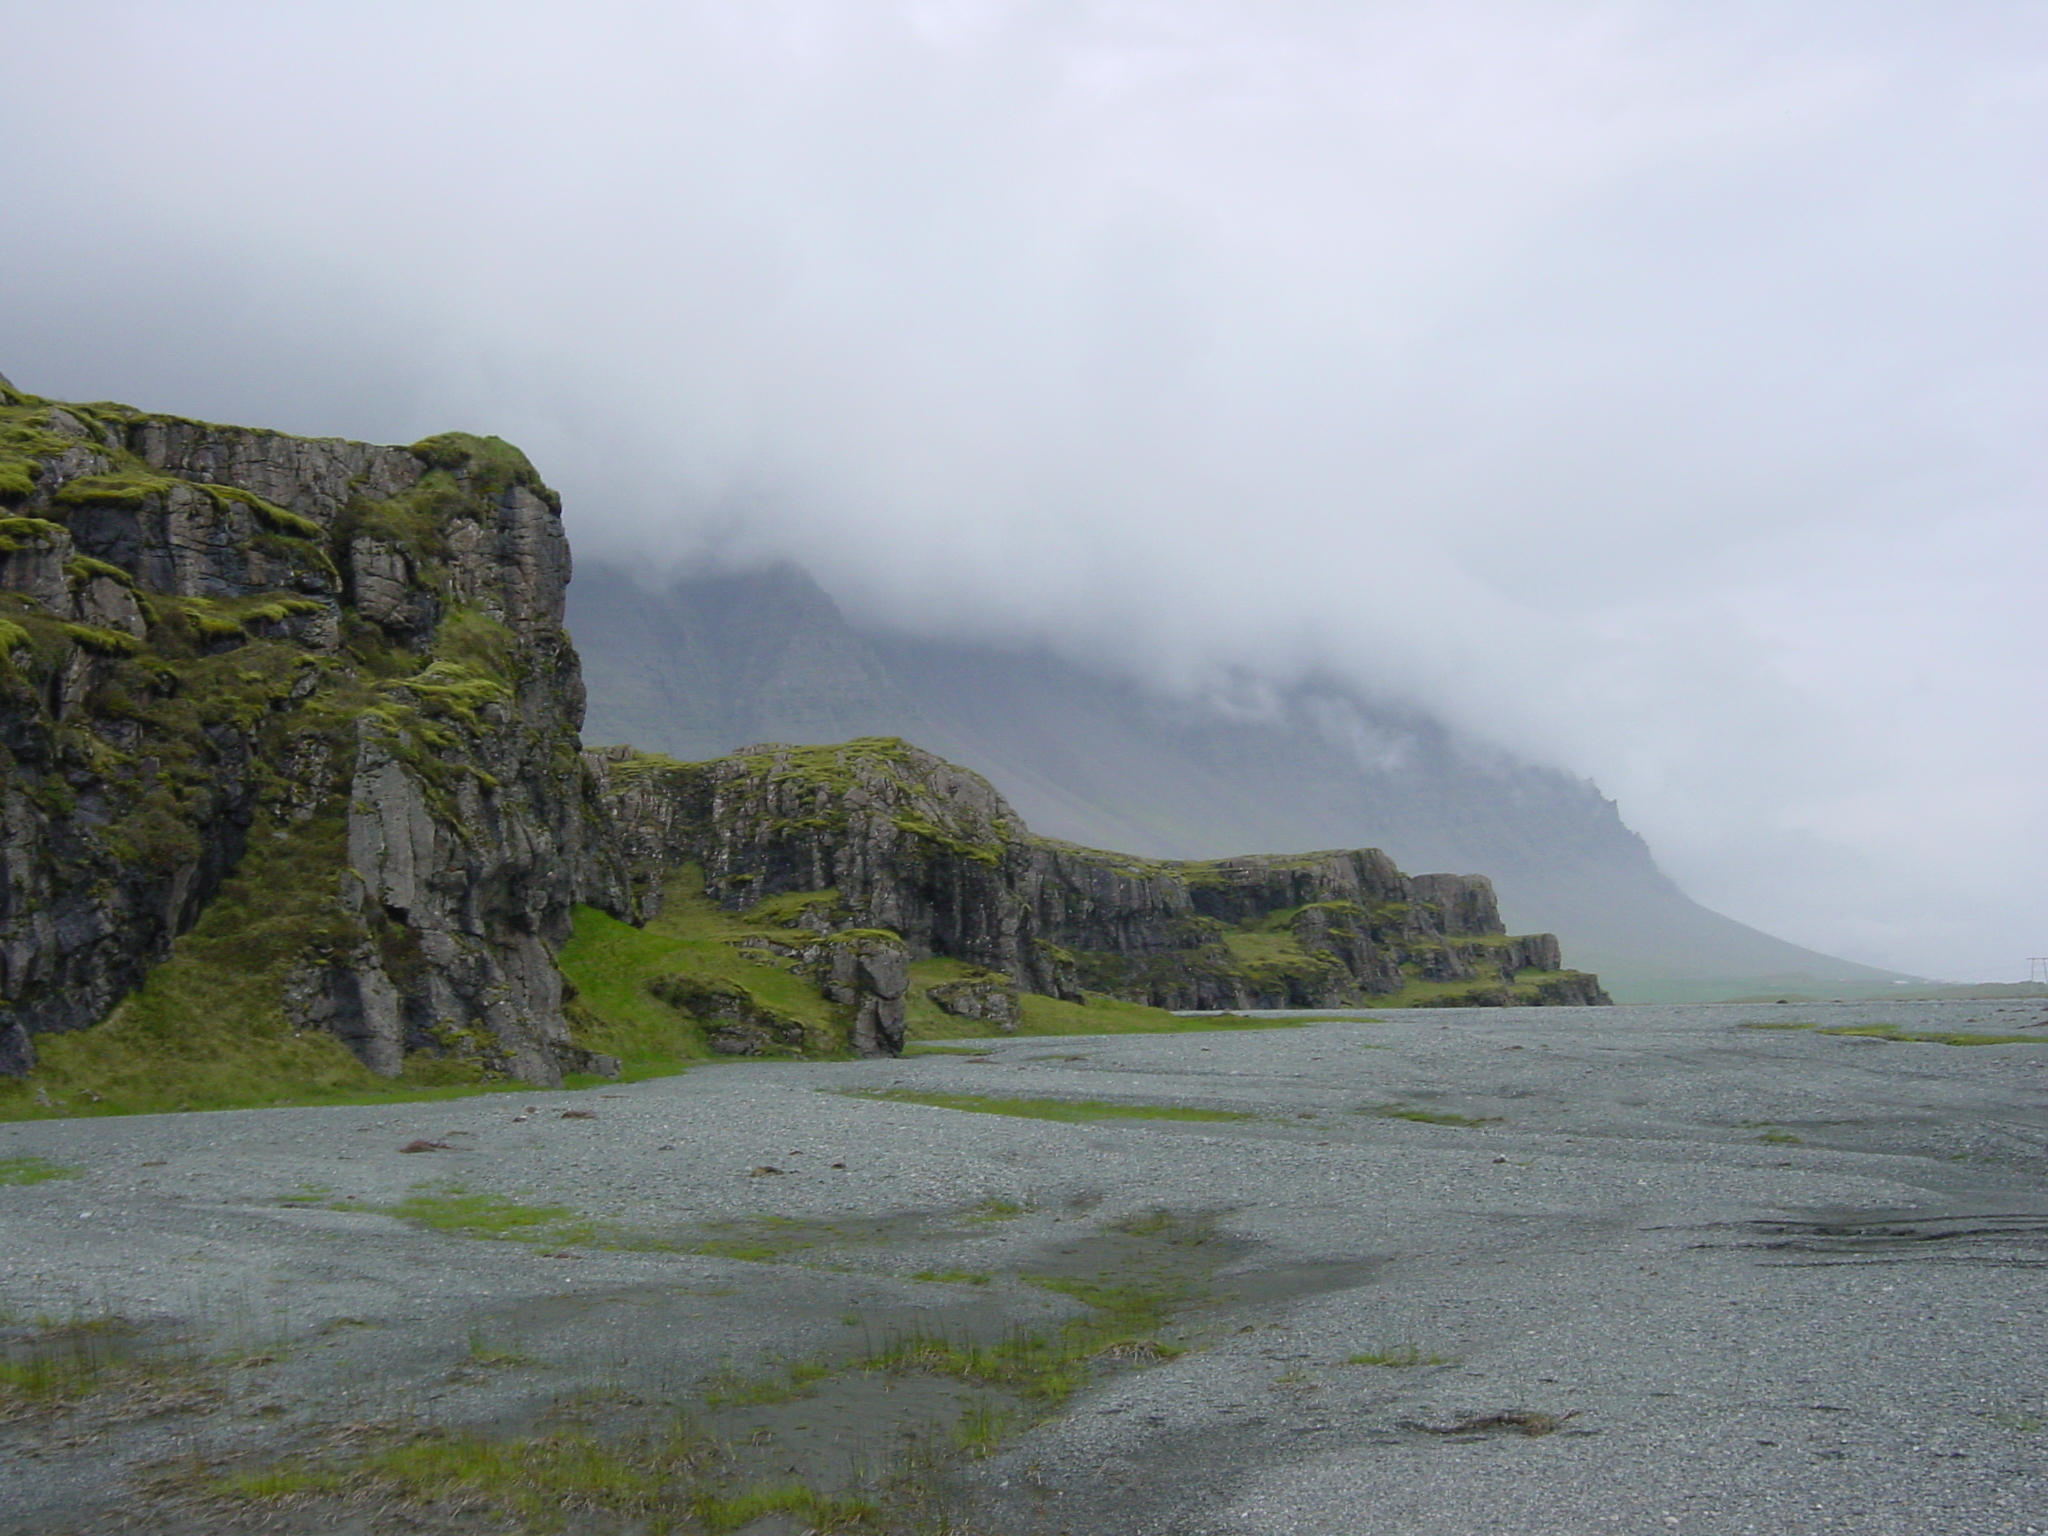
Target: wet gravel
(1744,1280)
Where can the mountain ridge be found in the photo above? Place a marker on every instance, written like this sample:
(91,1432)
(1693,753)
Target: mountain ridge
(1105,762)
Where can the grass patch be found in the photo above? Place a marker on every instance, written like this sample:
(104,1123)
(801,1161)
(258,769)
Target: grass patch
(34,1170)
(731,1388)
(451,1208)
(1929,1037)
(63,1364)
(1424,1116)
(659,1478)
(1070,1110)
(1402,1358)
(1961,1037)
(612,966)
(1127,1307)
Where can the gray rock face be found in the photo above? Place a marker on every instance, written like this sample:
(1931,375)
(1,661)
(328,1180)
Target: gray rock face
(868,972)
(325,679)
(990,1001)
(907,843)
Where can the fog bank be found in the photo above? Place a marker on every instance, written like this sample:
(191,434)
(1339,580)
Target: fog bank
(1654,390)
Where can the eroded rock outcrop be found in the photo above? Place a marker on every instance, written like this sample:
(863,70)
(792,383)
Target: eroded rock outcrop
(905,842)
(324,677)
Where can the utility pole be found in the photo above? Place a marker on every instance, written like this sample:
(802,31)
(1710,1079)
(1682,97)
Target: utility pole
(2037,969)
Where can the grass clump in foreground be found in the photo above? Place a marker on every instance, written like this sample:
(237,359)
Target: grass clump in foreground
(1070,1110)
(104,1360)
(1424,1116)
(1165,1270)
(1904,1036)
(452,1208)
(34,1170)
(1404,1357)
(685,1474)
(660,1478)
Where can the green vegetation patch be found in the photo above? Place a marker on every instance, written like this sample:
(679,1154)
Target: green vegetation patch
(207,1029)
(630,984)
(34,1170)
(1400,1358)
(1423,1116)
(658,1479)
(449,1207)
(699,1470)
(123,488)
(16,531)
(61,1364)
(1070,1110)
(1893,1032)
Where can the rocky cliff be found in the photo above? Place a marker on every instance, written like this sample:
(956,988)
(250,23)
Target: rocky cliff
(883,837)
(288,736)
(289,757)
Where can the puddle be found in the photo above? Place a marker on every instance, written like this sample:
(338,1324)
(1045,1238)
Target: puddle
(2011,1239)
(892,1404)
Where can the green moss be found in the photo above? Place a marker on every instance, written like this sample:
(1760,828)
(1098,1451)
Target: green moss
(1930,1037)
(451,1208)
(451,689)
(547,1481)
(268,513)
(278,610)
(85,568)
(1424,1116)
(1071,1110)
(611,965)
(16,531)
(931,832)
(121,488)
(18,479)
(490,465)
(207,1029)
(102,642)
(1402,1358)
(1893,1032)
(12,637)
(477,643)
(34,1170)
(154,834)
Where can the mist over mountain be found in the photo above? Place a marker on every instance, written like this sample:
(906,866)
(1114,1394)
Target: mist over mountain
(718,661)
(1652,391)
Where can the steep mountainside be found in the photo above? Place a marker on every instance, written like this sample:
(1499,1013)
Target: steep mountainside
(715,662)
(894,849)
(289,739)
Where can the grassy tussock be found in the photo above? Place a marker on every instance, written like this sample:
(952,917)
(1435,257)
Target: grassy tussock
(1070,1110)
(1959,1037)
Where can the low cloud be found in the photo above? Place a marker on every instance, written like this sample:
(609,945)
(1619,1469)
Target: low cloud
(1651,389)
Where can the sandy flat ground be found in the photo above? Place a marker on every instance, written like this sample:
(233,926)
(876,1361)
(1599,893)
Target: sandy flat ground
(1744,1280)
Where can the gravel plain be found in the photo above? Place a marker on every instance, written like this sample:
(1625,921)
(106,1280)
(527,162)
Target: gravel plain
(1738,1281)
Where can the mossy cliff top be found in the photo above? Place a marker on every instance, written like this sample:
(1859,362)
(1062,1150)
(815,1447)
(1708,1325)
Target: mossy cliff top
(288,738)
(920,847)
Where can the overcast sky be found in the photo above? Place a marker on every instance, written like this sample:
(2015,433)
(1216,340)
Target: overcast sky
(1655,389)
